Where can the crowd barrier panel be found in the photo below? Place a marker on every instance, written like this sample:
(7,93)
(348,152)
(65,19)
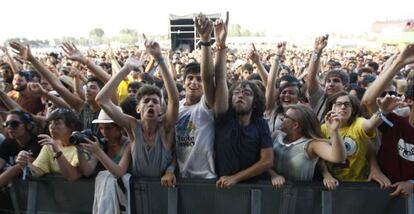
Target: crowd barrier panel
(53,194)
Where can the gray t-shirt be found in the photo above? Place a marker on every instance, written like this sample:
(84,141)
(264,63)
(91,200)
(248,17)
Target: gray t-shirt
(318,103)
(195,140)
(292,160)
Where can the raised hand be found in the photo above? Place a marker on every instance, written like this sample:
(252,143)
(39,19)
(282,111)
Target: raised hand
(407,55)
(220,30)
(320,43)
(281,47)
(204,27)
(388,103)
(23,51)
(133,63)
(253,55)
(36,88)
(332,121)
(4,49)
(73,53)
(153,48)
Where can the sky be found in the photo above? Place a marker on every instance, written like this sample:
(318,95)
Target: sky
(46,19)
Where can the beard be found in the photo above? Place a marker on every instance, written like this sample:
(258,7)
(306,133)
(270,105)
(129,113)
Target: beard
(20,88)
(243,112)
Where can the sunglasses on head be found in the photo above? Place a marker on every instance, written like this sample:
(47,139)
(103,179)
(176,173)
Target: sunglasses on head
(12,124)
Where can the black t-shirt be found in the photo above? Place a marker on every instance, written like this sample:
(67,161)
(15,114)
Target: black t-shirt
(237,147)
(9,150)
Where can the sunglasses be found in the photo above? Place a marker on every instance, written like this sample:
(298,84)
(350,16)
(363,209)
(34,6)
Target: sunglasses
(14,124)
(391,93)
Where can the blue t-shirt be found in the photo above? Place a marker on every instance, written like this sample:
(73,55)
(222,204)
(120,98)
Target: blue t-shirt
(237,147)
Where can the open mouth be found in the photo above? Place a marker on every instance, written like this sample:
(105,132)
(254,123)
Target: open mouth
(151,111)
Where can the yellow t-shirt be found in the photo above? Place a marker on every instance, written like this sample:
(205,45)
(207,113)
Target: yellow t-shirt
(122,90)
(356,142)
(48,164)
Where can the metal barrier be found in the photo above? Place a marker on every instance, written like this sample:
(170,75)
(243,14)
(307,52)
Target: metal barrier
(53,194)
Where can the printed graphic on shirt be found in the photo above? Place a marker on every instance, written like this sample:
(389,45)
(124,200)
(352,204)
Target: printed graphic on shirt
(350,146)
(185,132)
(406,150)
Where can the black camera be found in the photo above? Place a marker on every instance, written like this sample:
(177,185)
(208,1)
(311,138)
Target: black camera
(79,137)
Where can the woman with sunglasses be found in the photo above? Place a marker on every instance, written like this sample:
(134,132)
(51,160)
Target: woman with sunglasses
(21,137)
(300,144)
(58,155)
(356,132)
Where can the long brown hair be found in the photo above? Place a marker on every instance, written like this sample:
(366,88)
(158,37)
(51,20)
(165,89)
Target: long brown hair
(308,121)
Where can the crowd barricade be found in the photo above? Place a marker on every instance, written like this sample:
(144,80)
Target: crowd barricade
(53,194)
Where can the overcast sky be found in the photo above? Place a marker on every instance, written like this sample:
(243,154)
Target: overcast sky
(40,19)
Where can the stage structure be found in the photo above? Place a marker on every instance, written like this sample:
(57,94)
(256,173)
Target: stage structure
(183,32)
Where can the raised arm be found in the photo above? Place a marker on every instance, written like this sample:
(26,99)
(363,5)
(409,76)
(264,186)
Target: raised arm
(255,57)
(271,91)
(221,91)
(74,54)
(104,96)
(314,65)
(385,105)
(171,114)
(12,63)
(24,51)
(392,67)
(204,27)
(334,151)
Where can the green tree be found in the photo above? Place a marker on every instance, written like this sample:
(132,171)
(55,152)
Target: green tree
(128,36)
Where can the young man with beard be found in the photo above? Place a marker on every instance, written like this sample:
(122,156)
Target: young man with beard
(23,95)
(335,80)
(243,145)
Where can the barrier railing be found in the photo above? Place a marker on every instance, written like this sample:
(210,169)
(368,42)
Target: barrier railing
(53,194)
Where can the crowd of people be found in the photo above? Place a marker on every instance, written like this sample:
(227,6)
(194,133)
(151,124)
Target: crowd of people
(214,113)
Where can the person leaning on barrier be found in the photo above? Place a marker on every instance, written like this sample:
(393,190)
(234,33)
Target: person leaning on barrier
(113,144)
(300,144)
(151,138)
(395,155)
(21,138)
(58,155)
(356,132)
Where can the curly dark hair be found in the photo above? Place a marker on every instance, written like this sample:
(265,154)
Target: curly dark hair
(258,105)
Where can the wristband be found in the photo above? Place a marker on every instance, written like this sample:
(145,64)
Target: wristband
(160,60)
(382,116)
(58,154)
(316,55)
(207,44)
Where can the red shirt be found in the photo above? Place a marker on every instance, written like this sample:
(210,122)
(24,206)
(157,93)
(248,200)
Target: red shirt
(396,154)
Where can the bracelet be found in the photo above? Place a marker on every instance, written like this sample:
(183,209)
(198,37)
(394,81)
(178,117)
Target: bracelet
(160,60)
(220,47)
(207,44)
(384,118)
(57,154)
(316,55)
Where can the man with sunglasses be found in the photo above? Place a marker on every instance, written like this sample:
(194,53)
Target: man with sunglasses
(19,126)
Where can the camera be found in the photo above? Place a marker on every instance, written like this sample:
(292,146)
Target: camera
(79,137)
